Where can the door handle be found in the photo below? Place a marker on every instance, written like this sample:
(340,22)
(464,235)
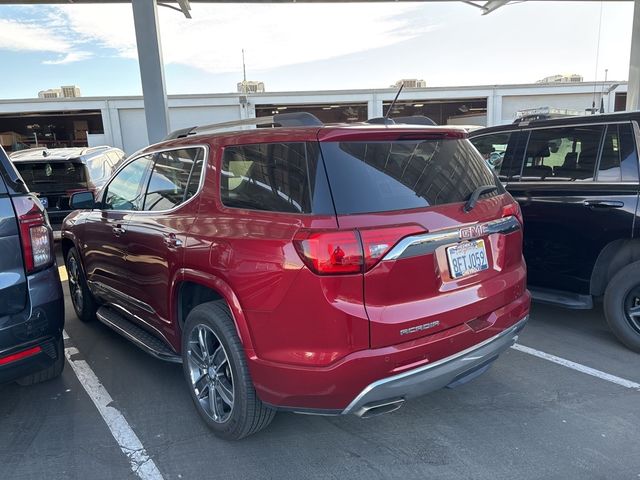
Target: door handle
(603,204)
(172,241)
(118,230)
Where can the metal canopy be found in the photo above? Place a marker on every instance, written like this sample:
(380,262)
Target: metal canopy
(145,15)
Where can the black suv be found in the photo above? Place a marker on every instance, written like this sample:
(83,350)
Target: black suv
(31,300)
(54,174)
(576,180)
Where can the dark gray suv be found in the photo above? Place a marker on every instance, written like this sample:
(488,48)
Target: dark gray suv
(31,299)
(54,174)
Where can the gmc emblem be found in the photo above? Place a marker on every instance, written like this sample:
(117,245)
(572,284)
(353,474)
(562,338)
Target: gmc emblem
(472,232)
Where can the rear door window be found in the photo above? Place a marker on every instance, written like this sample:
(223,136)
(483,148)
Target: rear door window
(174,178)
(276,177)
(562,154)
(368,177)
(619,160)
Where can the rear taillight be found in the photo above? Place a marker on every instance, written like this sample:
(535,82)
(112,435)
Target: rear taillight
(348,251)
(330,253)
(513,210)
(35,234)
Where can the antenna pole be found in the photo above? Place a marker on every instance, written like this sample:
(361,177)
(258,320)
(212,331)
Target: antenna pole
(244,75)
(386,117)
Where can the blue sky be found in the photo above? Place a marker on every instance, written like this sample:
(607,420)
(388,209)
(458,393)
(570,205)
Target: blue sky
(312,47)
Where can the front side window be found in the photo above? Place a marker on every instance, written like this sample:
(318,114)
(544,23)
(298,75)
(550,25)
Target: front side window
(125,190)
(562,154)
(268,176)
(619,161)
(174,179)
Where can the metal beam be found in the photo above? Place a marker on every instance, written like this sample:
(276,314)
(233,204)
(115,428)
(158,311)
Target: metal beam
(633,88)
(156,112)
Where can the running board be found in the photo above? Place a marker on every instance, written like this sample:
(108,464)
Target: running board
(563,299)
(137,335)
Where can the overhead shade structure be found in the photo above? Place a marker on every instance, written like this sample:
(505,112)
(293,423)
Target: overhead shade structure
(145,14)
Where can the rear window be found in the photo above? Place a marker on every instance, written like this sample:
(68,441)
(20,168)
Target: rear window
(275,177)
(35,173)
(370,177)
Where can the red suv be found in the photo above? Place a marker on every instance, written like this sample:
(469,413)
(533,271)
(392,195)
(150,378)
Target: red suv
(307,268)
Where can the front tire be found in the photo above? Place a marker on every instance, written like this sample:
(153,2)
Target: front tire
(82,299)
(622,305)
(217,375)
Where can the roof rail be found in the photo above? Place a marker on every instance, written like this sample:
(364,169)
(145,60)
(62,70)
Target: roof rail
(295,119)
(412,120)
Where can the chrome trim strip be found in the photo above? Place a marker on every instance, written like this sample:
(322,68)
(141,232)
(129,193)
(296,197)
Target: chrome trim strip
(429,366)
(428,242)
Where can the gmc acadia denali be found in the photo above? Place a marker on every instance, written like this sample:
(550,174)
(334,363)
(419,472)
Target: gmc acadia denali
(307,268)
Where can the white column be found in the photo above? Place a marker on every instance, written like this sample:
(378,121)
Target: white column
(145,17)
(633,90)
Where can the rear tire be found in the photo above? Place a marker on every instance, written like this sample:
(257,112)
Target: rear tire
(217,375)
(622,305)
(82,299)
(48,373)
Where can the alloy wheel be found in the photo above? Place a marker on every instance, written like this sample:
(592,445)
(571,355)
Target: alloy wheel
(632,307)
(75,288)
(210,373)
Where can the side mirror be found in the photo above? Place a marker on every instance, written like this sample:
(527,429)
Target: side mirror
(82,200)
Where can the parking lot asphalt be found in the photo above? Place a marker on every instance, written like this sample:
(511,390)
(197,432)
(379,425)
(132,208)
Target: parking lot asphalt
(526,418)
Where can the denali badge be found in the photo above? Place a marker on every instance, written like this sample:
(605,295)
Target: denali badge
(472,232)
(419,328)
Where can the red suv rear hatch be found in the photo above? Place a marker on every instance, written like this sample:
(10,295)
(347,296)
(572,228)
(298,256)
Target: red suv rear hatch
(429,265)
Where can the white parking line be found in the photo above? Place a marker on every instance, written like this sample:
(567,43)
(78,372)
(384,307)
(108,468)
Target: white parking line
(141,464)
(578,367)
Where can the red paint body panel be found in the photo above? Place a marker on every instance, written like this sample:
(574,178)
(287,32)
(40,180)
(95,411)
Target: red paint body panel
(311,341)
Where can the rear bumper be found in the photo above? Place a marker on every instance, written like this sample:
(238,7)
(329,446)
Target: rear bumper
(394,372)
(40,324)
(451,370)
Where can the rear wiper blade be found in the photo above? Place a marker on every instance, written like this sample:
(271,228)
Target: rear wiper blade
(473,199)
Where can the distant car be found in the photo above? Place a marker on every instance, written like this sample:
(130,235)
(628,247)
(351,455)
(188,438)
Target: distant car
(54,174)
(577,182)
(31,300)
(309,268)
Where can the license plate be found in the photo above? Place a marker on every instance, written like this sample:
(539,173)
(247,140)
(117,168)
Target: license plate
(44,201)
(467,258)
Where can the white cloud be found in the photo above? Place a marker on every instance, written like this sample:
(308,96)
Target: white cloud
(272,35)
(24,36)
(70,58)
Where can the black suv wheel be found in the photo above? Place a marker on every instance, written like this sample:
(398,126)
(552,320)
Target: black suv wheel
(83,302)
(622,305)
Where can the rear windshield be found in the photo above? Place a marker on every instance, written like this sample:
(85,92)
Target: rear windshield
(55,173)
(370,177)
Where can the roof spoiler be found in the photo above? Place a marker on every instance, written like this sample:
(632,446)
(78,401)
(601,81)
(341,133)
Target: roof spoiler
(411,120)
(295,119)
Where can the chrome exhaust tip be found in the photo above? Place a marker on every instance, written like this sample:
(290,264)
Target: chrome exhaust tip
(379,408)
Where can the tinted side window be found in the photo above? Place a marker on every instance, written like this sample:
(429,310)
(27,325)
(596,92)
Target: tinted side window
(498,151)
(562,154)
(96,167)
(619,161)
(370,177)
(269,176)
(125,190)
(172,178)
